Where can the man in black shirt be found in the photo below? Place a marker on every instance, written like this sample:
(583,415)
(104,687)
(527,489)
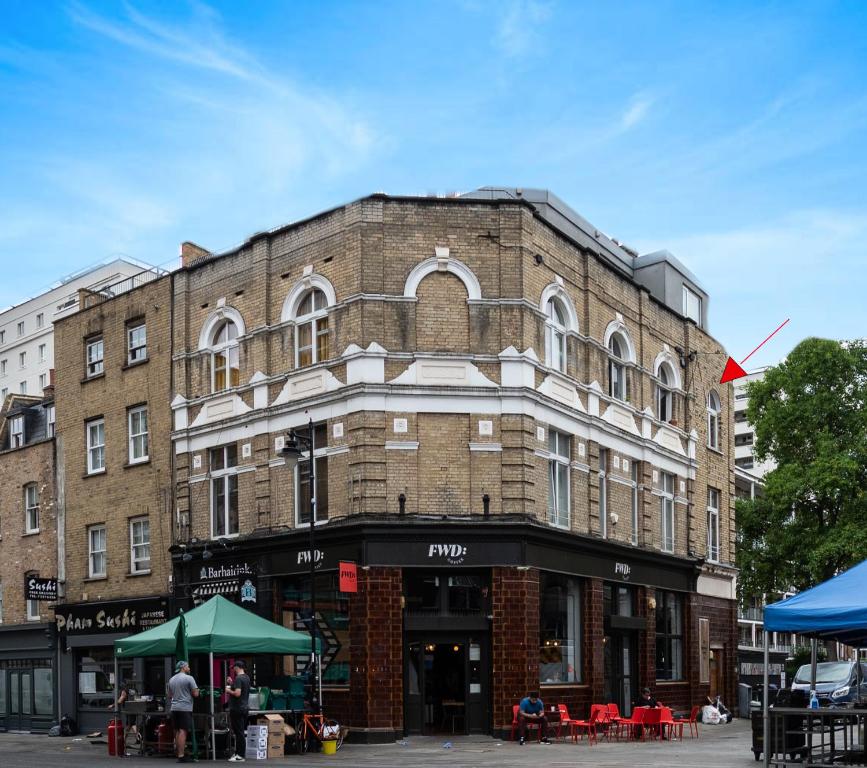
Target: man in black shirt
(239,707)
(646,700)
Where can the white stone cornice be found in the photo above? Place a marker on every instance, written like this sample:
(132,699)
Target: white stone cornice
(439,372)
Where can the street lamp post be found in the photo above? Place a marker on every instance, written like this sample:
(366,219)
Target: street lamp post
(293,449)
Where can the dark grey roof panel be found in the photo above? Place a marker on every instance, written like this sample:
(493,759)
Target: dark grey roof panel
(561,216)
(667,256)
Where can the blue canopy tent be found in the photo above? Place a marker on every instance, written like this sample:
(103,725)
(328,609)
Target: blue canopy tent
(834,610)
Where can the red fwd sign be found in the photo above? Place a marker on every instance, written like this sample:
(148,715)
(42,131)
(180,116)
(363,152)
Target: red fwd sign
(348,577)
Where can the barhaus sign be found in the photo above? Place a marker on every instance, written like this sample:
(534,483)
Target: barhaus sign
(130,616)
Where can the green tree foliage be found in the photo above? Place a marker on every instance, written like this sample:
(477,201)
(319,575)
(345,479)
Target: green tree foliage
(810,417)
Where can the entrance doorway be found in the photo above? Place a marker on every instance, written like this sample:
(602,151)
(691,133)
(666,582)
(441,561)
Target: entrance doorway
(620,670)
(20,699)
(716,656)
(445,690)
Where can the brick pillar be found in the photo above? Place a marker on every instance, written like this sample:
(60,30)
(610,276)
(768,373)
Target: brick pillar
(647,640)
(594,634)
(376,656)
(514,640)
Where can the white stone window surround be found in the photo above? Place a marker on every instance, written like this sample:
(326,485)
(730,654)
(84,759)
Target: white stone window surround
(210,329)
(621,354)
(442,262)
(555,331)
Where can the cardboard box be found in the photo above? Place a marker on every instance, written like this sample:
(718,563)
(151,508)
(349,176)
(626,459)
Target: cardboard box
(272,723)
(276,750)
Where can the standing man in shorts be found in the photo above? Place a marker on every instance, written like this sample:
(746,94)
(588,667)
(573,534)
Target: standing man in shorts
(182,689)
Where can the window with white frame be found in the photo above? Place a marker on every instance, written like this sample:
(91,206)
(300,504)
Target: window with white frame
(713,496)
(51,419)
(713,420)
(2,337)
(320,479)
(555,334)
(603,492)
(3,394)
(43,380)
(667,512)
(16,431)
(692,305)
(3,367)
(136,343)
(40,320)
(33,610)
(664,395)
(225,357)
(95,431)
(96,551)
(560,452)
(617,367)
(137,419)
(224,490)
(311,329)
(31,508)
(139,545)
(22,387)
(635,502)
(22,359)
(95,357)
(43,353)
(21,328)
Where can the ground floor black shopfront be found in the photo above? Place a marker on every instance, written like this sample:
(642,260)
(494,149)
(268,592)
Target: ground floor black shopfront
(86,633)
(28,663)
(455,620)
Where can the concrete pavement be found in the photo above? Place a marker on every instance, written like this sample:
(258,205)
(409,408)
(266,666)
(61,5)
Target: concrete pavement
(725,746)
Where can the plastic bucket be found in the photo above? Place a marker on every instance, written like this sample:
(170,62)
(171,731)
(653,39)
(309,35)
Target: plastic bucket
(329,747)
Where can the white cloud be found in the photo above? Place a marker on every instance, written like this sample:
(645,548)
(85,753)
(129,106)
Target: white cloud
(519,26)
(638,109)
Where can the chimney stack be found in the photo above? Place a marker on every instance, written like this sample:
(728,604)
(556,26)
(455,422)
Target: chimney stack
(191,252)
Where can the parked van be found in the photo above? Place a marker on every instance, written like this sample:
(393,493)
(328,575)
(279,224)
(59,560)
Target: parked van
(837,682)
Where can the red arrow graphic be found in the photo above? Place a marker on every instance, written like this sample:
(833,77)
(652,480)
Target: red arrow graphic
(734,370)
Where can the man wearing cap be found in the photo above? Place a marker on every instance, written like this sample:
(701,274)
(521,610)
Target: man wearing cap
(239,707)
(182,689)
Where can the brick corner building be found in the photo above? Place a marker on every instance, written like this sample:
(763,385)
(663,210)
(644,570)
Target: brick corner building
(519,438)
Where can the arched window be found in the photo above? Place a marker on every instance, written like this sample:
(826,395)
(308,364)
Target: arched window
(311,329)
(618,354)
(225,366)
(664,395)
(555,335)
(713,425)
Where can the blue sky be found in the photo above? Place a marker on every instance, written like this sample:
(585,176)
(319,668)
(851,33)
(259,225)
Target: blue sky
(732,134)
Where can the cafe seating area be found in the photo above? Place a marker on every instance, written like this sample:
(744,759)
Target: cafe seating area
(604,722)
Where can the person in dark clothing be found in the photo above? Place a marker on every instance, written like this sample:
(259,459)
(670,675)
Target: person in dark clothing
(239,707)
(531,711)
(646,700)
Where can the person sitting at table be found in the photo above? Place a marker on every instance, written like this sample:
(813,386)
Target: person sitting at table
(531,711)
(239,708)
(646,700)
(128,690)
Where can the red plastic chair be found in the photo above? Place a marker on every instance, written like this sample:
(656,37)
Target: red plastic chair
(626,724)
(565,720)
(668,725)
(587,725)
(693,721)
(515,724)
(652,727)
(614,713)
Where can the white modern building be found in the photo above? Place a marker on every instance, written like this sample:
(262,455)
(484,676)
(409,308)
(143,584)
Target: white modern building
(26,329)
(744,433)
